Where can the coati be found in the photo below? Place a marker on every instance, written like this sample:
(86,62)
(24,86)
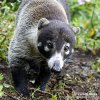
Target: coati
(43,39)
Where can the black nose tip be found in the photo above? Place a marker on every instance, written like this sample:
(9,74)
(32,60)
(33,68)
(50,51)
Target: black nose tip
(54,71)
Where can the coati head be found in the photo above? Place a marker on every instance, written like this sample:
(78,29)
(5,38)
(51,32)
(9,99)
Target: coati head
(55,42)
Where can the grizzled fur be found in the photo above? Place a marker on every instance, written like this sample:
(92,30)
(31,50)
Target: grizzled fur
(37,19)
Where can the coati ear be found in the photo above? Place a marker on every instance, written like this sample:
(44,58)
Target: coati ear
(76,29)
(43,22)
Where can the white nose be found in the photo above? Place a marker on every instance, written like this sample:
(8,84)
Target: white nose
(56,62)
(56,66)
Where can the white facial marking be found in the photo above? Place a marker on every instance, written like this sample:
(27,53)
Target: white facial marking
(46,49)
(56,58)
(48,41)
(67,52)
(68,44)
(39,44)
(72,50)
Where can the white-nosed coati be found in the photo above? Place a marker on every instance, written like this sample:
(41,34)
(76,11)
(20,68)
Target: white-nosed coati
(42,40)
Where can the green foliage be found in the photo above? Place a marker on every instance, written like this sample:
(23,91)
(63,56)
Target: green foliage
(1,90)
(7,20)
(54,97)
(1,77)
(1,86)
(96,65)
(4,85)
(69,97)
(87,18)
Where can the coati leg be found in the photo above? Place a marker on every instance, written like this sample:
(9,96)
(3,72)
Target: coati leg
(20,81)
(44,74)
(43,77)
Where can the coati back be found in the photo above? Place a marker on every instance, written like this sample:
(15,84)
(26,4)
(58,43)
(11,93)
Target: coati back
(42,41)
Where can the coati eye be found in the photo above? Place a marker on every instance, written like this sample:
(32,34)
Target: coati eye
(66,48)
(50,45)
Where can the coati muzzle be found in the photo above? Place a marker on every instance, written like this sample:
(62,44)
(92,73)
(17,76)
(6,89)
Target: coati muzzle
(56,62)
(56,66)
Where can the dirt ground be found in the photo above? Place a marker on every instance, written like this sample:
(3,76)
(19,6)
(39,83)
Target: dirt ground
(77,81)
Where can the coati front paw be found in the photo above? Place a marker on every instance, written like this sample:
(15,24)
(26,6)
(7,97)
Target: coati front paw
(22,90)
(20,80)
(42,86)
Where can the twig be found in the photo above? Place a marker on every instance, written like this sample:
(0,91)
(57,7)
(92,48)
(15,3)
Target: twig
(13,97)
(59,90)
(41,93)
